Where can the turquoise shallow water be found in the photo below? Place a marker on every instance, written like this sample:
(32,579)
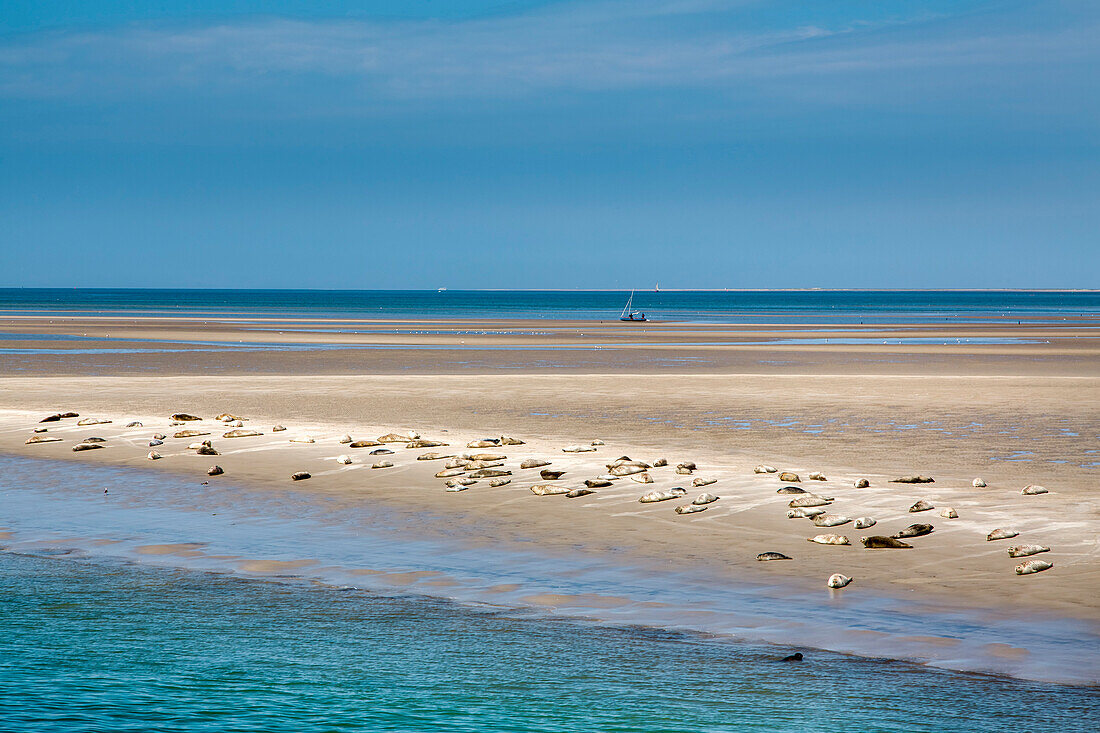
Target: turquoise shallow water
(109,646)
(99,637)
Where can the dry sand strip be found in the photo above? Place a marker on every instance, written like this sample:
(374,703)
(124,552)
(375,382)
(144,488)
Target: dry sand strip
(956,564)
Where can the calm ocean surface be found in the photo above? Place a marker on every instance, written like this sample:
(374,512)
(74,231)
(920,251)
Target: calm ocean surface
(101,636)
(682,306)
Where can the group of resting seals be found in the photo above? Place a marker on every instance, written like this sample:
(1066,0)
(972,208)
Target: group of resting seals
(470,468)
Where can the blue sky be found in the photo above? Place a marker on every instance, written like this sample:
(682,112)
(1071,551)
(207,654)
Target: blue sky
(518,143)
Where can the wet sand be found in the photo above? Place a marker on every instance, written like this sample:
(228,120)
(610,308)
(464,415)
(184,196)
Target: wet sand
(1014,414)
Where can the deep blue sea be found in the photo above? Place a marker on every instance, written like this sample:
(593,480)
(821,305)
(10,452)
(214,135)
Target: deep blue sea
(98,634)
(797,306)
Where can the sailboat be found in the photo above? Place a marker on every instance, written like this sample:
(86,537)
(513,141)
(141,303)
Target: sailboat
(631,315)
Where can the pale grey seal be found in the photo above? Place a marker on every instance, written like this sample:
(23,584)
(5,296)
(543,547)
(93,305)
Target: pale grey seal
(691,508)
(862,483)
(829,539)
(154,456)
(977,483)
(1033,490)
(703,482)
(189,434)
(41,439)
(1026,550)
(809,500)
(864,522)
(578,492)
(662,495)
(1033,566)
(949,513)
(241,434)
(382,464)
(92,421)
(1001,534)
(921,506)
(817,476)
(533,463)
(87,446)
(763,468)
(549,489)
(705,499)
(837,580)
(829,520)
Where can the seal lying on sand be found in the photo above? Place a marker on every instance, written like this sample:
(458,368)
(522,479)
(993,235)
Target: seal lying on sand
(829,520)
(662,495)
(803,512)
(791,490)
(382,464)
(449,472)
(215,471)
(790,478)
(41,439)
(433,456)
(302,439)
(550,474)
(913,480)
(1026,550)
(829,539)
(864,522)
(486,443)
(395,438)
(921,506)
(690,509)
(862,483)
(641,478)
(1033,490)
(549,489)
(155,442)
(277,429)
(578,449)
(763,468)
(424,444)
(300,476)
(228,417)
(206,450)
(575,493)
(809,500)
(837,580)
(1001,534)
(184,417)
(500,482)
(241,434)
(94,439)
(765,556)
(626,469)
(343,459)
(817,476)
(597,483)
(382,452)
(877,542)
(949,513)
(660,463)
(509,440)
(490,473)
(977,483)
(87,446)
(1033,566)
(533,463)
(189,434)
(364,444)
(703,482)
(914,530)
(154,456)
(705,499)
(134,424)
(92,421)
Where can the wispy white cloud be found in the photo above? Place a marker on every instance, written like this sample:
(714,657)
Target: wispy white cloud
(588,47)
